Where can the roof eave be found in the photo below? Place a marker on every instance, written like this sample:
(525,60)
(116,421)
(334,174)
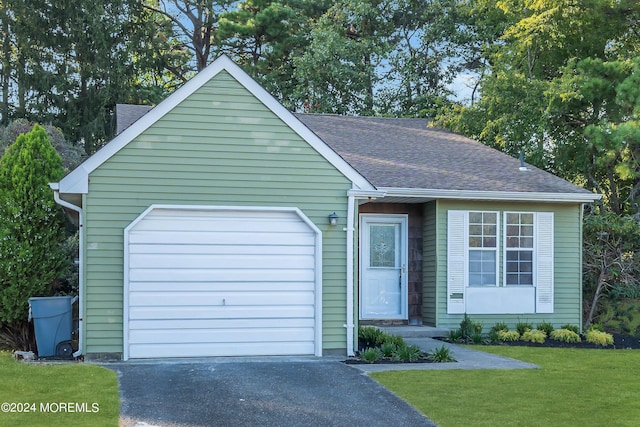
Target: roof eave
(516,196)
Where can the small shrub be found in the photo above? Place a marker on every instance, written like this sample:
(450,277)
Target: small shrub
(597,337)
(477,338)
(508,335)
(441,354)
(493,336)
(388,348)
(371,355)
(500,326)
(370,336)
(469,328)
(455,335)
(523,327)
(565,335)
(546,327)
(572,328)
(597,327)
(535,335)
(396,340)
(493,332)
(408,353)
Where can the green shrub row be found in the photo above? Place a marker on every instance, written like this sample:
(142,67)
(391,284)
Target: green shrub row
(376,344)
(471,331)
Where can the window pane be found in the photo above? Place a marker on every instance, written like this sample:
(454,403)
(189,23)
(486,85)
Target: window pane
(526,242)
(512,218)
(489,230)
(513,230)
(526,218)
(482,268)
(526,230)
(475,230)
(490,218)
(513,242)
(519,266)
(475,217)
(512,279)
(383,245)
(489,242)
(475,242)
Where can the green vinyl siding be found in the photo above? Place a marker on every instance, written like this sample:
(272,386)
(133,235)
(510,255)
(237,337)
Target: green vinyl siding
(567,263)
(429,278)
(219,147)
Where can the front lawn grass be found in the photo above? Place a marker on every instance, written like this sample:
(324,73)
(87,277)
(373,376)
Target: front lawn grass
(69,394)
(573,387)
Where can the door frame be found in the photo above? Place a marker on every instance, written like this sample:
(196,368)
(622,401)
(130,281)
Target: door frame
(403,221)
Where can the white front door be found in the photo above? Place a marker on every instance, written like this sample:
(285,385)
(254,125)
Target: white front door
(383,266)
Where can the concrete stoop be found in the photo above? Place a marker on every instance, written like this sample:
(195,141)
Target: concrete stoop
(415,331)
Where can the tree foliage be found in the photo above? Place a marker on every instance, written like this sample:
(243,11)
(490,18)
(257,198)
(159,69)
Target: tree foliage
(611,260)
(68,63)
(559,91)
(32,258)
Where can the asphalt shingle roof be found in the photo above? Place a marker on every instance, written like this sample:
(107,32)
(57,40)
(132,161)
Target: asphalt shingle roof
(407,153)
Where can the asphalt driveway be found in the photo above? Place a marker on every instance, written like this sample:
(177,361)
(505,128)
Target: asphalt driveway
(223,392)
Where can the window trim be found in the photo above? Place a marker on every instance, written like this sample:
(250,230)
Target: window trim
(498,299)
(533,249)
(468,248)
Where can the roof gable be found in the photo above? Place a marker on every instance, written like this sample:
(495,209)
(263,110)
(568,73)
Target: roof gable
(77,182)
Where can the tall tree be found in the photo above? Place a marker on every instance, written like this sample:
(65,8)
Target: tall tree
(338,72)
(265,36)
(195,26)
(74,68)
(543,65)
(422,63)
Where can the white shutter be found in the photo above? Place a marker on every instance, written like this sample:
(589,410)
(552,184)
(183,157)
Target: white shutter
(544,262)
(456,261)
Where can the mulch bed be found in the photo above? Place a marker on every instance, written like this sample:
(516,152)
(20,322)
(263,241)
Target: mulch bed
(384,361)
(620,342)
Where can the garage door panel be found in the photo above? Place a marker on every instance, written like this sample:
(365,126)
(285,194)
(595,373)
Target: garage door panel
(218,238)
(206,312)
(219,300)
(226,261)
(221,286)
(205,249)
(209,282)
(223,275)
(258,323)
(142,351)
(186,336)
(223,224)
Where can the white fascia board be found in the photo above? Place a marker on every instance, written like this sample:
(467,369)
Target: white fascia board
(491,195)
(78,180)
(366,194)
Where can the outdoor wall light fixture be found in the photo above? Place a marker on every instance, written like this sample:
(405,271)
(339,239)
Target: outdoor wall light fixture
(333,219)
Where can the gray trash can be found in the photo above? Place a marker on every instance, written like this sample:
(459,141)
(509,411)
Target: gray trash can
(52,323)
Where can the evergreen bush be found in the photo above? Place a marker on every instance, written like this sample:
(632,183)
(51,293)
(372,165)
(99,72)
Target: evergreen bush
(32,256)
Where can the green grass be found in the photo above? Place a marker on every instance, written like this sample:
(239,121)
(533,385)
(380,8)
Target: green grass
(573,387)
(47,388)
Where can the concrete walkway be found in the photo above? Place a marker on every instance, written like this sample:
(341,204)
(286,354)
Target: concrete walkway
(465,359)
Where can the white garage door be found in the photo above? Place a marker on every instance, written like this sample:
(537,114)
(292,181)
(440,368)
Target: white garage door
(221,282)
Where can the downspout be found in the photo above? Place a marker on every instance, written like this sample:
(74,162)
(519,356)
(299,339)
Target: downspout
(350,269)
(64,203)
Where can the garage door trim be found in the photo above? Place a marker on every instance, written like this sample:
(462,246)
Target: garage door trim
(249,209)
